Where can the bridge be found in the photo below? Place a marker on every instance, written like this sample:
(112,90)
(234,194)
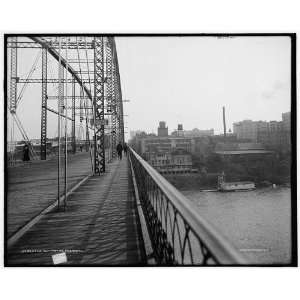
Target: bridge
(75,202)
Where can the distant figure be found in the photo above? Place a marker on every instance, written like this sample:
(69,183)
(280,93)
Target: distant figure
(26,153)
(119,150)
(125,147)
(80,148)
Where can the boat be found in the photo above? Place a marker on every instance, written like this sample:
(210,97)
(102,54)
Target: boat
(232,186)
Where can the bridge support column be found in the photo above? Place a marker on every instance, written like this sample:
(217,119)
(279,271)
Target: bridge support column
(99,147)
(44,106)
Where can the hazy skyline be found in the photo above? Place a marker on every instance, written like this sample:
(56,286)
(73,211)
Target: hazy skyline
(187,80)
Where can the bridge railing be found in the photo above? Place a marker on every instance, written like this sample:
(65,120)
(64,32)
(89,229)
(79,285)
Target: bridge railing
(179,235)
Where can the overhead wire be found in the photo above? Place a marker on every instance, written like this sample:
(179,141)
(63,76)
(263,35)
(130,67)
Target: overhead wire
(29,75)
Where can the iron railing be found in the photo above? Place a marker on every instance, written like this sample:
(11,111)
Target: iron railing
(179,235)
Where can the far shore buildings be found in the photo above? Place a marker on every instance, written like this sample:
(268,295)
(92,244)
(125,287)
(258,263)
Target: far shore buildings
(273,134)
(173,153)
(168,153)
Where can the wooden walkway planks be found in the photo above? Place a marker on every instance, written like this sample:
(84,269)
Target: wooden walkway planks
(33,186)
(100,226)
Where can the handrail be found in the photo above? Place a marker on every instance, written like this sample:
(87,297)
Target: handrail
(173,222)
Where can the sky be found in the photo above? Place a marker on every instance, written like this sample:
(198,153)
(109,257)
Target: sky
(187,80)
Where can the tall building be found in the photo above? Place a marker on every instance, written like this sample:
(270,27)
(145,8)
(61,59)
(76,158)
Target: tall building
(245,130)
(162,130)
(273,134)
(286,120)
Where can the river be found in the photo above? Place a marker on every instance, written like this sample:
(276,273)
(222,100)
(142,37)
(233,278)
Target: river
(257,222)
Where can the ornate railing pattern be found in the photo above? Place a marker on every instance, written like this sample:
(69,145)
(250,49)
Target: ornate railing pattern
(179,235)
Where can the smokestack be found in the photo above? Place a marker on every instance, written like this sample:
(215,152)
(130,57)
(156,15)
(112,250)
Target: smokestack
(224,122)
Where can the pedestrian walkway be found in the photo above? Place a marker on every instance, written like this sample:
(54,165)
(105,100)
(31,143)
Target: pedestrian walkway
(33,186)
(99,227)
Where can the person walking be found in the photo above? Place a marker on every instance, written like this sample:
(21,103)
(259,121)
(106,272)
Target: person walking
(119,150)
(26,156)
(125,147)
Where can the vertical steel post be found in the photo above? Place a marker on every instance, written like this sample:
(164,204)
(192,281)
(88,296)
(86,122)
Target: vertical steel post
(59,104)
(44,106)
(13,88)
(99,105)
(73,118)
(66,127)
(110,94)
(13,75)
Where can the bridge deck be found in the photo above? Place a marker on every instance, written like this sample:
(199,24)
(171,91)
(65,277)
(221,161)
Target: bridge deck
(99,227)
(33,186)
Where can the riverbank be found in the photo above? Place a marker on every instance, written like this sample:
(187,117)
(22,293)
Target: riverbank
(210,181)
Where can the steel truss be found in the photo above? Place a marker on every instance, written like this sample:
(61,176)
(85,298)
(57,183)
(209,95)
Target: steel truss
(118,93)
(104,90)
(52,44)
(99,151)
(110,95)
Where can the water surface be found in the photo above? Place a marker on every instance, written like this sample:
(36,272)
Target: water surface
(257,222)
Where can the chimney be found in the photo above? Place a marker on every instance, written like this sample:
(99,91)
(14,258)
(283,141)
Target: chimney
(224,122)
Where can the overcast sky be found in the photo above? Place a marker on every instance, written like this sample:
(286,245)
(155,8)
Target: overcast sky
(187,80)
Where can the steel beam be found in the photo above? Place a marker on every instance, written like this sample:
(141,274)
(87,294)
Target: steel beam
(110,94)
(73,118)
(119,101)
(53,80)
(13,75)
(50,44)
(44,105)
(99,150)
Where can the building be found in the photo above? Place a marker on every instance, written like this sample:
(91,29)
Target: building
(165,144)
(245,130)
(198,132)
(162,130)
(262,131)
(273,135)
(286,121)
(133,133)
(177,162)
(192,133)
(179,132)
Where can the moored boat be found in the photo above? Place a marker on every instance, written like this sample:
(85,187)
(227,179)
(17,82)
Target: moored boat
(224,186)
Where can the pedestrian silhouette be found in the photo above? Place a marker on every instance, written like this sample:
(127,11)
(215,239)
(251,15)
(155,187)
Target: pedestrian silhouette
(119,150)
(26,153)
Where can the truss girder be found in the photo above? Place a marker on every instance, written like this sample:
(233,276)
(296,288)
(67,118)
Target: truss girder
(110,95)
(105,96)
(99,151)
(119,101)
